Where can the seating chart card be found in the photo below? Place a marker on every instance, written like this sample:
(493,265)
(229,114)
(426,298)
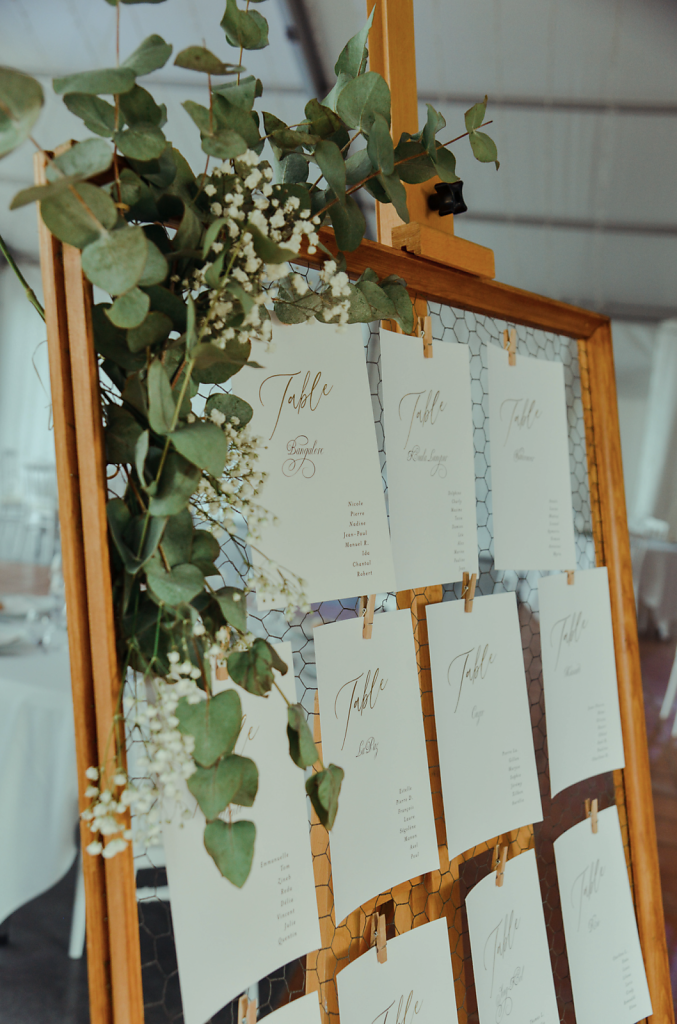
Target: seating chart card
(509,947)
(416,983)
(372,726)
(579,677)
(276,909)
(301,1011)
(430,460)
(532,508)
(486,750)
(312,407)
(605,957)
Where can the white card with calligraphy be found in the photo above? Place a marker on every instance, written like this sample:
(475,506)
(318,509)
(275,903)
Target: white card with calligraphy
(313,412)
(579,677)
(430,460)
(305,1010)
(605,958)
(276,909)
(530,481)
(372,726)
(414,986)
(484,739)
(509,947)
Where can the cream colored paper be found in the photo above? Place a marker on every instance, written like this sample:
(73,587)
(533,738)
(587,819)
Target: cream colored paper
(301,1011)
(429,460)
(228,938)
(530,478)
(509,947)
(312,409)
(372,726)
(579,677)
(605,957)
(414,986)
(484,738)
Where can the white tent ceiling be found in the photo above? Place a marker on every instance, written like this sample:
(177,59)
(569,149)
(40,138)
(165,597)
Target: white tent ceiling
(583,94)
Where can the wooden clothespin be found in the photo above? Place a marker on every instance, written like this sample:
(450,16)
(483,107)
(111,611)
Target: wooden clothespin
(468,589)
(368,620)
(501,860)
(510,342)
(378,936)
(591,812)
(570,577)
(425,331)
(221,671)
(246,1010)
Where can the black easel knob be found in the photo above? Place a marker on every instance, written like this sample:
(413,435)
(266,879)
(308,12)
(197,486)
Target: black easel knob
(449,198)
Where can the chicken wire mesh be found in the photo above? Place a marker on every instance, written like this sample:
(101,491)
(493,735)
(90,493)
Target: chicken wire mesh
(443,892)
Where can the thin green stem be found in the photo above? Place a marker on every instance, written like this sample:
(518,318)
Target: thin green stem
(30,294)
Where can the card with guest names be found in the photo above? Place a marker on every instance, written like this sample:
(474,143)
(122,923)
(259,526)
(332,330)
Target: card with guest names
(605,958)
(484,739)
(582,714)
(509,947)
(313,412)
(372,726)
(430,460)
(276,909)
(530,477)
(414,986)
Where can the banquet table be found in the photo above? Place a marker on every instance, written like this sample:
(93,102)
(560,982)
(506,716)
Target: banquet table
(38,780)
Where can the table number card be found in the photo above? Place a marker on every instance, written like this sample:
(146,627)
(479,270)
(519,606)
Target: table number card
(486,750)
(372,726)
(509,947)
(301,1011)
(605,957)
(415,984)
(532,508)
(276,909)
(579,677)
(430,460)
(312,408)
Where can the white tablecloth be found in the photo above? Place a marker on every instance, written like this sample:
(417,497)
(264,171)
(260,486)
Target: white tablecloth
(38,781)
(654,573)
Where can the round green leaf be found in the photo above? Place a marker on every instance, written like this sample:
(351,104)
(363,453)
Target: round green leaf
(215,724)
(362,98)
(84,159)
(231,406)
(146,143)
(484,148)
(129,309)
(107,80)
(178,481)
(232,848)
(203,444)
(233,606)
(349,224)
(247,29)
(98,115)
(225,144)
(155,328)
(179,586)
(70,220)
(153,53)
(115,262)
(156,269)
(232,780)
(323,790)
(21,99)
(302,749)
(198,58)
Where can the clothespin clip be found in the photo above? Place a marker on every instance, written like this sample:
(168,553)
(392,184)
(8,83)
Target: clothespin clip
(425,331)
(501,861)
(368,620)
(510,342)
(221,671)
(591,812)
(246,1010)
(570,577)
(378,936)
(468,589)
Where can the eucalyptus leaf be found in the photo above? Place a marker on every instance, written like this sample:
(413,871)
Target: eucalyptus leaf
(380,146)
(161,405)
(152,54)
(484,148)
(445,165)
(231,846)
(224,143)
(107,80)
(233,779)
(179,586)
(332,97)
(140,455)
(153,329)
(475,116)
(268,250)
(215,724)
(396,291)
(97,114)
(206,550)
(122,433)
(199,58)
(147,143)
(215,365)
(119,522)
(203,444)
(353,57)
(247,29)
(253,669)
(177,540)
(349,224)
(21,100)
(331,163)
(115,261)
(78,219)
(232,407)
(302,749)
(293,169)
(323,789)
(358,167)
(129,309)
(178,481)
(140,109)
(323,121)
(189,230)
(363,98)
(155,269)
(111,343)
(164,301)
(234,607)
(83,160)
(417,166)
(434,123)
(381,308)
(397,194)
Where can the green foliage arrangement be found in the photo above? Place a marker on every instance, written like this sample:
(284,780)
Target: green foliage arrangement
(193,264)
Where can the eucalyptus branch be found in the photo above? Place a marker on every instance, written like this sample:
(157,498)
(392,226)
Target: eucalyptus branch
(30,294)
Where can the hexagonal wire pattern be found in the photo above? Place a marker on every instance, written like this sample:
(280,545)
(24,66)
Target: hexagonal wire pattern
(443,892)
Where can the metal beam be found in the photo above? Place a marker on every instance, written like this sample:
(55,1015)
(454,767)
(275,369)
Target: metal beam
(524,220)
(558,104)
